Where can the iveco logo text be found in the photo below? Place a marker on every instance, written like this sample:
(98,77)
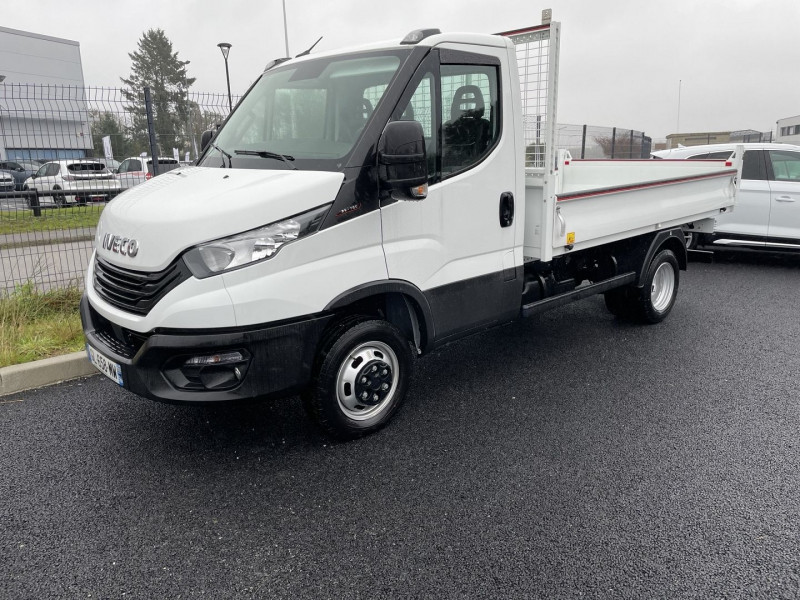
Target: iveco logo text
(121,245)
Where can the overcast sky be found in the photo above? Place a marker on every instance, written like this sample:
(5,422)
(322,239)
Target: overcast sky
(621,60)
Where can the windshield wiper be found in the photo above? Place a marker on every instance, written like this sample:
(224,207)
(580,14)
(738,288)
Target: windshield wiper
(267,154)
(224,154)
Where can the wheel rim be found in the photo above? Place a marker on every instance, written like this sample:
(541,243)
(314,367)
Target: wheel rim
(662,287)
(367,380)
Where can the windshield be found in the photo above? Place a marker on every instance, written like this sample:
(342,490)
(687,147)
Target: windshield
(308,115)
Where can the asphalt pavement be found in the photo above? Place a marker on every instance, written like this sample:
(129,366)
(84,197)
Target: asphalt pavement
(571,455)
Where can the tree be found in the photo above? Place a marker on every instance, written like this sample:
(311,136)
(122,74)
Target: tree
(106,123)
(156,66)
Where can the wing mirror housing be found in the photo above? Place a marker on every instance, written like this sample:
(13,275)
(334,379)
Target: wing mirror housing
(402,161)
(206,138)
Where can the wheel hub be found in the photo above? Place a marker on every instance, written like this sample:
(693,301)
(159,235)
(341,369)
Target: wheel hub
(662,287)
(373,383)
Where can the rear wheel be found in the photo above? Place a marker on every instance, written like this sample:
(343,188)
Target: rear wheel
(654,300)
(691,239)
(617,302)
(660,288)
(360,379)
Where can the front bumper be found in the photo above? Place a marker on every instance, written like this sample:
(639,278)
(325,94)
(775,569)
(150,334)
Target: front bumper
(279,358)
(101,187)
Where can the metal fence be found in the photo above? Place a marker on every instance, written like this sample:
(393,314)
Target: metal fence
(46,239)
(588,141)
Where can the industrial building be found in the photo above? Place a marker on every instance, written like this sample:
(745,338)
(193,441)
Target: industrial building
(43,110)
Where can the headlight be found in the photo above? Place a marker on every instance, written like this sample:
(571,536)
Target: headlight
(251,246)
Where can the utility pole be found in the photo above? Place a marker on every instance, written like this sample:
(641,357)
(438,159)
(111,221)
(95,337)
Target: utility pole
(285,29)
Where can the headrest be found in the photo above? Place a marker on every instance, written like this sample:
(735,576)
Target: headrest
(467,102)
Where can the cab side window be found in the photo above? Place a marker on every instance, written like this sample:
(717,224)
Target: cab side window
(470,119)
(53,169)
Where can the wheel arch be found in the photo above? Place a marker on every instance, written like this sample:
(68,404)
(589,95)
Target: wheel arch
(400,303)
(668,239)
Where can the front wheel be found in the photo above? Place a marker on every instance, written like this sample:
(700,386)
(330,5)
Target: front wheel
(360,379)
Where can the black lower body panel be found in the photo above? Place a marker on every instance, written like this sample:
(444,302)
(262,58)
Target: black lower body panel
(276,359)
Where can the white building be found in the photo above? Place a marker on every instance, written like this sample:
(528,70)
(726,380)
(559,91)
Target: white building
(43,111)
(789,130)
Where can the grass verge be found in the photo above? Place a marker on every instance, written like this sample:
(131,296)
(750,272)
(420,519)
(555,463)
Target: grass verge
(36,325)
(52,219)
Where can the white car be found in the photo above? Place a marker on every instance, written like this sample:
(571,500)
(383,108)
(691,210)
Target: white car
(77,180)
(138,169)
(767,211)
(6,181)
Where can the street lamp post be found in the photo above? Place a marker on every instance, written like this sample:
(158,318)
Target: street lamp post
(226,48)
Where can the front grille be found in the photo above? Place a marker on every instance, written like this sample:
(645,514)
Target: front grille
(136,291)
(121,341)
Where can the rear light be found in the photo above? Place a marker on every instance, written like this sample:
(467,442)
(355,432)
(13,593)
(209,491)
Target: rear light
(148,176)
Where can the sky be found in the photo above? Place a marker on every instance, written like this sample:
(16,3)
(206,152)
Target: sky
(658,67)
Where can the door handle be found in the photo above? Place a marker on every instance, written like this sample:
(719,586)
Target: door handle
(506,209)
(784,199)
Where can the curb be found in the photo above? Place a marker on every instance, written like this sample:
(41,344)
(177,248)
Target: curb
(39,373)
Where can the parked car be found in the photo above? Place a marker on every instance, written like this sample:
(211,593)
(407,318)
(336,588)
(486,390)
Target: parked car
(138,169)
(111,164)
(18,170)
(767,211)
(75,180)
(6,181)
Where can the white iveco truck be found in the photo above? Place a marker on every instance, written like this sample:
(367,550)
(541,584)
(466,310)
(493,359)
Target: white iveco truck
(362,207)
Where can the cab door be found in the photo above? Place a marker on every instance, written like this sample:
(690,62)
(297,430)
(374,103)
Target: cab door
(784,183)
(457,245)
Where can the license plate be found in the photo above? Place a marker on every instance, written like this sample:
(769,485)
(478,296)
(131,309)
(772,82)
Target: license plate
(105,365)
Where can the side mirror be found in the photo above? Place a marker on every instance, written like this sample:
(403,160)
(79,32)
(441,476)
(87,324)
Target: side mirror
(402,161)
(206,138)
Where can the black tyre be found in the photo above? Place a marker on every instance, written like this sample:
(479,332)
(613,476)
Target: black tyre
(360,378)
(80,200)
(28,201)
(654,300)
(59,199)
(618,302)
(660,288)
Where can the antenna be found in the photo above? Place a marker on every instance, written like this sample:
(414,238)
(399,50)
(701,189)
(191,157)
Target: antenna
(304,53)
